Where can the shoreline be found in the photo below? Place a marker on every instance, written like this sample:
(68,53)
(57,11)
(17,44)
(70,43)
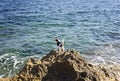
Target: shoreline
(66,66)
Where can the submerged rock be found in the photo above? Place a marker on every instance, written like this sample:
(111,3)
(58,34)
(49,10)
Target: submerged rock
(67,66)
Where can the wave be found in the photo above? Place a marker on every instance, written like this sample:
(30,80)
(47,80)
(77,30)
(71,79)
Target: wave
(10,64)
(106,54)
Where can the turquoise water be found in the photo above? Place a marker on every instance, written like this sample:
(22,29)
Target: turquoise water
(28,28)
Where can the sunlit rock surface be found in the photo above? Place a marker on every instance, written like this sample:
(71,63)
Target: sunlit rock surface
(66,66)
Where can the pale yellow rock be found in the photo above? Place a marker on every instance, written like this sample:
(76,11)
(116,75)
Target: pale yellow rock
(66,66)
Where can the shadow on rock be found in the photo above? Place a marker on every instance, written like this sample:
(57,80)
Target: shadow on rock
(60,71)
(67,66)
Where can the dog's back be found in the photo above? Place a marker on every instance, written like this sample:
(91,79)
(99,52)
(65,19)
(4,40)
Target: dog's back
(60,45)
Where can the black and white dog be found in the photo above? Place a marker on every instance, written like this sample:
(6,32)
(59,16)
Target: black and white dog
(60,45)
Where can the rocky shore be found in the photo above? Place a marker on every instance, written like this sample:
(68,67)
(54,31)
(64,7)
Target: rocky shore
(66,66)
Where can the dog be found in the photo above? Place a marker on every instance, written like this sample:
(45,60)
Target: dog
(60,45)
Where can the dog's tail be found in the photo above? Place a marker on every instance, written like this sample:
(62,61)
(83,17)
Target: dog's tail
(63,42)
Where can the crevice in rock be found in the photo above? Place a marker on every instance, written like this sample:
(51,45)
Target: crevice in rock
(60,72)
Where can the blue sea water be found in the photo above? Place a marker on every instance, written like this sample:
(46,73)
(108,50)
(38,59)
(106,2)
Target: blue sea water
(28,28)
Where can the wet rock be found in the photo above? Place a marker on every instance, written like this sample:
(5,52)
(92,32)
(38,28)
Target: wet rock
(66,66)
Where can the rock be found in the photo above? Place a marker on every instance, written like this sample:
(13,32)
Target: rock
(66,66)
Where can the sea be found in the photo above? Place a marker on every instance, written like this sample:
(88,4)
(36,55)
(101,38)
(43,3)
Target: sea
(28,29)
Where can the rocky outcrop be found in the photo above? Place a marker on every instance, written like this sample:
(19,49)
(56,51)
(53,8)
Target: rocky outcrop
(66,66)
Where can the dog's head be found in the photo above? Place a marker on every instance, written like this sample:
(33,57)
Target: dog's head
(56,39)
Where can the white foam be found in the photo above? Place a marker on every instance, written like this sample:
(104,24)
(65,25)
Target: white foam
(1,76)
(9,60)
(98,60)
(10,72)
(15,61)
(2,56)
(113,58)
(105,49)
